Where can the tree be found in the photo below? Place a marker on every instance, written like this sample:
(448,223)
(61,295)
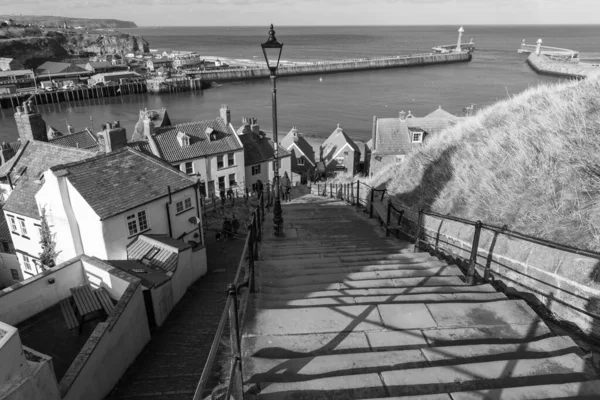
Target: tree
(48,254)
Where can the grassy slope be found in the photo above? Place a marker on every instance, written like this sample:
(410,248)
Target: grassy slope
(531,162)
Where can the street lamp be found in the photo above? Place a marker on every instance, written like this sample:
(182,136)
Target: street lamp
(272,51)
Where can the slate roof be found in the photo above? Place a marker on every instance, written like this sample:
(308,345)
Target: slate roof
(141,145)
(26,166)
(82,139)
(200,143)
(159,117)
(335,142)
(150,275)
(295,138)
(167,256)
(121,180)
(4,230)
(53,67)
(393,136)
(259,148)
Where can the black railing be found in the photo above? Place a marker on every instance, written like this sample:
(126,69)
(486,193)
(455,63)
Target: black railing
(234,313)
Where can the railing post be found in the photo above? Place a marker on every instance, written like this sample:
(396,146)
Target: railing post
(351,193)
(262,205)
(331,190)
(372,199)
(236,348)
(318,189)
(473,259)
(400,214)
(383,194)
(358,193)
(387,221)
(418,234)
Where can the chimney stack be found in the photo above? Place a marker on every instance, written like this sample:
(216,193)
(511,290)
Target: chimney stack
(30,124)
(148,127)
(254,126)
(402,116)
(112,138)
(7,152)
(225,114)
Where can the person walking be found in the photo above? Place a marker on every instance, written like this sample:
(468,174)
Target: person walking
(286,186)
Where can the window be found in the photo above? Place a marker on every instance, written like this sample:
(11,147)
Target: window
(301,161)
(137,222)
(256,169)
(232,180)
(221,182)
(183,205)
(27,263)
(13,224)
(185,141)
(23,227)
(230,159)
(15,274)
(220,162)
(417,137)
(189,168)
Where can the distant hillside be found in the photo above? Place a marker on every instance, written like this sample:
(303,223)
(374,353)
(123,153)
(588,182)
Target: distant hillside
(531,162)
(53,21)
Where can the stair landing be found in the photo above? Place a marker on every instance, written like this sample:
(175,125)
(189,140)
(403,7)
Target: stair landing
(342,312)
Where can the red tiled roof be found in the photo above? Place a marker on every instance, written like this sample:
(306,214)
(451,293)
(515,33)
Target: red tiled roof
(335,142)
(200,143)
(295,138)
(26,166)
(83,140)
(124,179)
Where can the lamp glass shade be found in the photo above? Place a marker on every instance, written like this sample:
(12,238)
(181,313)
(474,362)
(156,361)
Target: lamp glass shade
(272,50)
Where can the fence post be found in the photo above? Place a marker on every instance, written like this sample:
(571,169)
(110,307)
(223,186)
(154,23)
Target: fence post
(358,193)
(372,198)
(351,193)
(473,259)
(233,320)
(331,190)
(387,222)
(418,234)
(262,205)
(383,194)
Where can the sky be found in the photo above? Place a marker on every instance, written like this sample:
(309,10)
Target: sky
(317,12)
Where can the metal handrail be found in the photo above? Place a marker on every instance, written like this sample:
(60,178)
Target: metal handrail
(249,253)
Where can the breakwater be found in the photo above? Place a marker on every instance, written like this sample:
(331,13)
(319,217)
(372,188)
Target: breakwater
(328,67)
(543,65)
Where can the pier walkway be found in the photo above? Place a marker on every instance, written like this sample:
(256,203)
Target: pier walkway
(343,312)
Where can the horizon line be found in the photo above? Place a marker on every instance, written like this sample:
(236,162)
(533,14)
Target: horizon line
(354,25)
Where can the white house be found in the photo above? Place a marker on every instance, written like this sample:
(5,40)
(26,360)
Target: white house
(259,154)
(210,151)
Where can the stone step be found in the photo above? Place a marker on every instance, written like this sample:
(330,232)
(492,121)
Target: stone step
(367,256)
(316,244)
(317,344)
(308,254)
(285,271)
(356,318)
(259,369)
(407,258)
(302,280)
(487,288)
(369,284)
(587,390)
(339,249)
(390,299)
(566,368)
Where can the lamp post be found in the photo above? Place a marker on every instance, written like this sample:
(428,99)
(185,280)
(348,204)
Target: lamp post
(272,51)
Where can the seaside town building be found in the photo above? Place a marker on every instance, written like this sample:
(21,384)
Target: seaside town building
(210,150)
(10,64)
(259,155)
(11,80)
(98,67)
(113,77)
(302,153)
(155,63)
(393,138)
(54,70)
(340,153)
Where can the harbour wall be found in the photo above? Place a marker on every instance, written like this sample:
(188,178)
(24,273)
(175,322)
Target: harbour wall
(338,66)
(545,66)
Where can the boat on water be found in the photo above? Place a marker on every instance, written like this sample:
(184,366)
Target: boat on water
(321,79)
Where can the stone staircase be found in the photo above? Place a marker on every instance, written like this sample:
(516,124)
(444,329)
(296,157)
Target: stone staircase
(342,312)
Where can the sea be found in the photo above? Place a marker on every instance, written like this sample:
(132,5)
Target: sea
(316,106)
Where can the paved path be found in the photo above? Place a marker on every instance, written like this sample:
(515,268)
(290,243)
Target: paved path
(343,312)
(170,365)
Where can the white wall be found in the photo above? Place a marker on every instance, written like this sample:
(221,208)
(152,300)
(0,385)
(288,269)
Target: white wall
(8,262)
(115,350)
(40,383)
(162,302)
(99,277)
(207,167)
(26,299)
(13,362)
(28,244)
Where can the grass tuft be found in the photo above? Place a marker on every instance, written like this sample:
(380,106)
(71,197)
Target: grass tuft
(531,162)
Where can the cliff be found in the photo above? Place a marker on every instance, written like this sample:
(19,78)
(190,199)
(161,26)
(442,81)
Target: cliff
(54,21)
(33,46)
(531,162)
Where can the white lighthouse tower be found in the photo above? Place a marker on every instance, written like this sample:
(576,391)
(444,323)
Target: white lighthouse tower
(460,33)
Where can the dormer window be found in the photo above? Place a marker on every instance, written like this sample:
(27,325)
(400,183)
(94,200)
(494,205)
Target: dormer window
(183,139)
(417,137)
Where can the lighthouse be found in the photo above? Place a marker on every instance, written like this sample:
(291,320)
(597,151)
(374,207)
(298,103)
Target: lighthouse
(460,32)
(538,48)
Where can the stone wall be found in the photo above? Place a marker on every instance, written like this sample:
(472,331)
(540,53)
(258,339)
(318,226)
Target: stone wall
(546,66)
(337,66)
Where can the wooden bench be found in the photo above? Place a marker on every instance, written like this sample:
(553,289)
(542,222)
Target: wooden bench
(104,299)
(69,313)
(85,300)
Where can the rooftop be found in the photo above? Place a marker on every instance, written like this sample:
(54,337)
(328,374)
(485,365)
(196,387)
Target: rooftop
(27,165)
(200,144)
(335,142)
(258,147)
(16,72)
(295,138)
(83,139)
(157,250)
(53,67)
(150,275)
(124,179)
